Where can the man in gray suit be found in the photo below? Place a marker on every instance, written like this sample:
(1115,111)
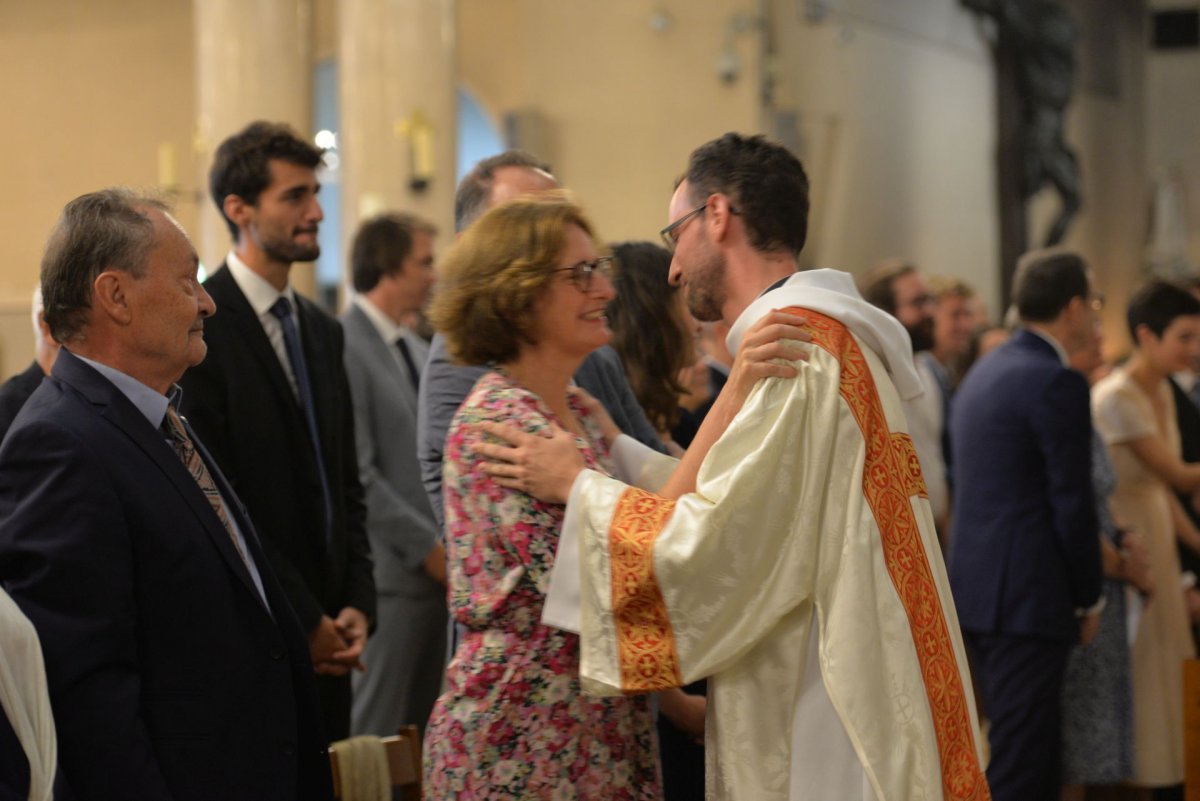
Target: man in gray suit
(392,271)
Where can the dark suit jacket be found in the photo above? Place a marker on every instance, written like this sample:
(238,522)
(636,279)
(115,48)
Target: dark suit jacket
(168,677)
(1025,550)
(14,392)
(241,403)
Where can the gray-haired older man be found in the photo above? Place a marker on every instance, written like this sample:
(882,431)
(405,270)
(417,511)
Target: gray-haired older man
(176,667)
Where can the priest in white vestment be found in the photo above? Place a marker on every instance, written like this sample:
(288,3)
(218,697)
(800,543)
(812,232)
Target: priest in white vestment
(798,567)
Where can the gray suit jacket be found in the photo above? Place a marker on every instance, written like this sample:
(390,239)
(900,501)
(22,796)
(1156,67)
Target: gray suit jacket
(400,522)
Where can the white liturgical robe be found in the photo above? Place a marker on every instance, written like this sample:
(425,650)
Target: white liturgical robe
(803,576)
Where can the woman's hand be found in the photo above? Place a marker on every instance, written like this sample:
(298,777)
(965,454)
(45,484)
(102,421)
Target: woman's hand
(686,712)
(597,412)
(1135,562)
(775,336)
(542,466)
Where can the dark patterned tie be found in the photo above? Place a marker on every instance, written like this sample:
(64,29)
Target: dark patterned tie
(406,354)
(291,340)
(183,446)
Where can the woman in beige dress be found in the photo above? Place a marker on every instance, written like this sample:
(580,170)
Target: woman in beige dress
(1135,414)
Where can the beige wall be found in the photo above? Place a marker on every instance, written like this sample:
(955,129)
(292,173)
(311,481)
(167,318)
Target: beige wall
(896,110)
(92,88)
(893,102)
(623,104)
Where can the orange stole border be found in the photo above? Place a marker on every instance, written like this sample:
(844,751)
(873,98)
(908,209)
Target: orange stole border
(891,475)
(645,640)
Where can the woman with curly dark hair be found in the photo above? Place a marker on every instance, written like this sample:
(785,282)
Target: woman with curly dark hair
(653,332)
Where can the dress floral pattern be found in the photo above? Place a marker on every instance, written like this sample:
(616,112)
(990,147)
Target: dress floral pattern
(513,722)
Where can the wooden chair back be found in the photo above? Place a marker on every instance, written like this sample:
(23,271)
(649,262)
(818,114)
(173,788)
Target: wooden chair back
(404,764)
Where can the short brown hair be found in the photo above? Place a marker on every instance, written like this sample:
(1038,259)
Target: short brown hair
(381,246)
(241,166)
(495,272)
(99,231)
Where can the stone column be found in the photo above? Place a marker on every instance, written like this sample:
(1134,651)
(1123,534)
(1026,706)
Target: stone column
(398,110)
(253,61)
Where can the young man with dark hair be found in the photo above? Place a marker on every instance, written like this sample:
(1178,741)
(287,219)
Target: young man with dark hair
(273,403)
(1025,548)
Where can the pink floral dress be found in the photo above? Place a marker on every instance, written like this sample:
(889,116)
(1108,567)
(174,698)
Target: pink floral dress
(513,722)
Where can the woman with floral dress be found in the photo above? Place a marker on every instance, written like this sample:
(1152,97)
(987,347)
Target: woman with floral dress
(525,290)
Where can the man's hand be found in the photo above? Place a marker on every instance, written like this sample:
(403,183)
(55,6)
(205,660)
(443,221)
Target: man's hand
(544,467)
(323,643)
(352,626)
(1089,627)
(435,563)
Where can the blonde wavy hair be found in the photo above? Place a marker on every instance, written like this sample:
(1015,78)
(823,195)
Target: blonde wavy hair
(491,277)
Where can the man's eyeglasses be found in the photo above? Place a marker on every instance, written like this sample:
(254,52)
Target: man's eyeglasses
(581,273)
(670,234)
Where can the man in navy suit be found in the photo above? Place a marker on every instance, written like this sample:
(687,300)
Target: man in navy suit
(176,668)
(1025,554)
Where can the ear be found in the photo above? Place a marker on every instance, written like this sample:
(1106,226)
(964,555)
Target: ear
(110,298)
(1143,335)
(717,215)
(42,326)
(237,210)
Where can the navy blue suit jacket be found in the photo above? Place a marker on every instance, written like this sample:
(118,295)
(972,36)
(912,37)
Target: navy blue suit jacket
(168,676)
(1025,548)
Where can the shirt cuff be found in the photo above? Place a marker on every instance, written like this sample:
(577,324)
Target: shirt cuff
(1094,609)
(563,606)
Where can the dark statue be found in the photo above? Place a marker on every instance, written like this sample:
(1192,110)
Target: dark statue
(1043,36)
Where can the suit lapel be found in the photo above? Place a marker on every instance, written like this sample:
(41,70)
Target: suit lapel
(232,304)
(234,506)
(318,353)
(381,354)
(120,411)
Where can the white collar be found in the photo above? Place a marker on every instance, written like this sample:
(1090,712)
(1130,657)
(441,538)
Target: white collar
(258,290)
(833,292)
(387,329)
(1054,343)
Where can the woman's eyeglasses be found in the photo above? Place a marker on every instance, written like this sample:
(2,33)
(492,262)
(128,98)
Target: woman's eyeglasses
(581,273)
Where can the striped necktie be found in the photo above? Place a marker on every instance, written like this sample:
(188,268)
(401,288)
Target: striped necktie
(187,452)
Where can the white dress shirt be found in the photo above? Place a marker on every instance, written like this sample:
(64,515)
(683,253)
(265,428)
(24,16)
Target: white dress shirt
(262,297)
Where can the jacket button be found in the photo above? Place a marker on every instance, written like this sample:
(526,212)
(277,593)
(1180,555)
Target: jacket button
(277,654)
